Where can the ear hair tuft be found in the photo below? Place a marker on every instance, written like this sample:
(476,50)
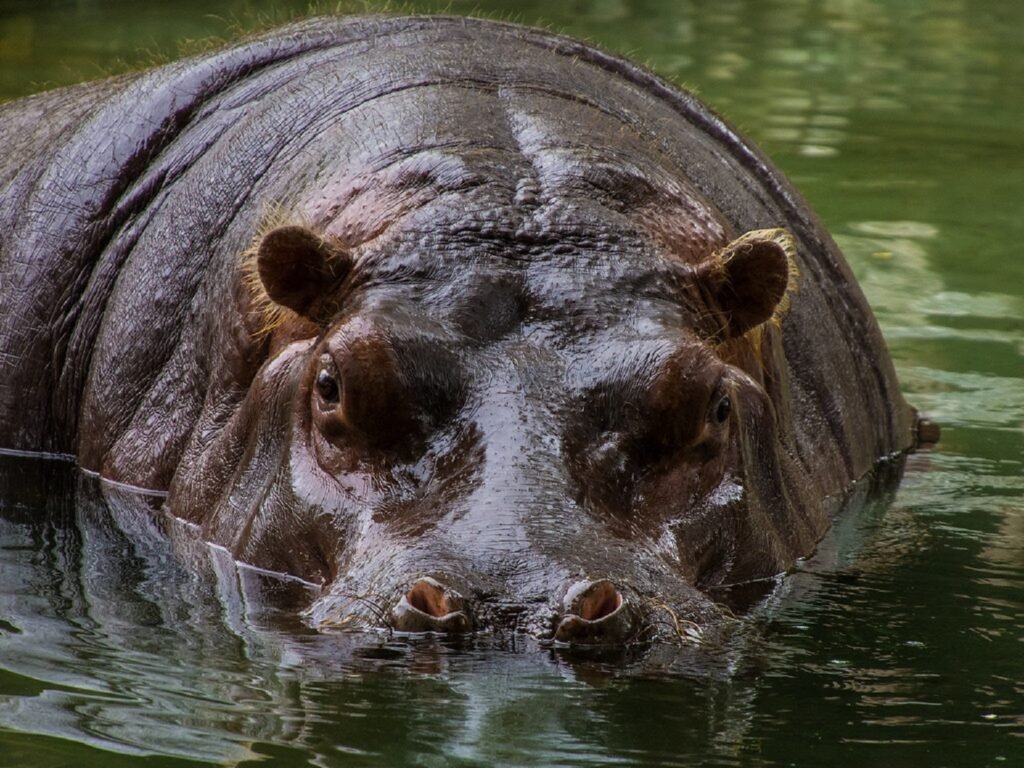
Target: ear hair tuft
(271,314)
(748,282)
(291,271)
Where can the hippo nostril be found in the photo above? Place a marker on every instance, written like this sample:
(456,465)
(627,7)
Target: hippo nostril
(429,597)
(596,614)
(600,600)
(429,606)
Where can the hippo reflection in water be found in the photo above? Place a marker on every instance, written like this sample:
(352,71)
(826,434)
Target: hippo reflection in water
(475,326)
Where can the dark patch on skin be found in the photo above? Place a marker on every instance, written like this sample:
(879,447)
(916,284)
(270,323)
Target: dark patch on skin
(446,474)
(495,306)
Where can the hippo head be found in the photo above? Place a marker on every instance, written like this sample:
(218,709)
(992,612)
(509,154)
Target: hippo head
(546,422)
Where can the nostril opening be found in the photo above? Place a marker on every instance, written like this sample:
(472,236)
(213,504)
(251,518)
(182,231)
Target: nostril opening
(602,599)
(429,597)
(596,613)
(431,607)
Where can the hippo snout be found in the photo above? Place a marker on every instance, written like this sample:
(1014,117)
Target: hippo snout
(592,613)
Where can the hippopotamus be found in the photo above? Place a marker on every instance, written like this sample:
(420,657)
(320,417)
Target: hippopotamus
(474,327)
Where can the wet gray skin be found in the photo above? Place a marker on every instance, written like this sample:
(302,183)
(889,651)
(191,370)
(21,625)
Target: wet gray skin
(474,326)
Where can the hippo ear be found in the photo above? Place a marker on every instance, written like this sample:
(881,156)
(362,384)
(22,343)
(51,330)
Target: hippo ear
(300,270)
(746,282)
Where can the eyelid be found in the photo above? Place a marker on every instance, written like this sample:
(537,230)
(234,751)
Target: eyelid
(719,392)
(326,366)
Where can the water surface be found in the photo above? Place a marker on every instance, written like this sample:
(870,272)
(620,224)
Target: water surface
(901,643)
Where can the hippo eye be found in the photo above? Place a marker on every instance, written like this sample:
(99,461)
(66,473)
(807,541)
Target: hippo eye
(723,409)
(327,386)
(326,383)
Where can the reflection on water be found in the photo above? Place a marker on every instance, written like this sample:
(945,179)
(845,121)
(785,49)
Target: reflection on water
(898,644)
(924,319)
(123,632)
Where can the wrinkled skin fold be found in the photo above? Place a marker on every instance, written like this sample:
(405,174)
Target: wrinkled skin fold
(472,325)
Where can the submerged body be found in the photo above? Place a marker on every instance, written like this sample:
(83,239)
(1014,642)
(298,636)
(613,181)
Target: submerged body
(471,324)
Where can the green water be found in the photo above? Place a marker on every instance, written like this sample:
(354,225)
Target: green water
(900,644)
